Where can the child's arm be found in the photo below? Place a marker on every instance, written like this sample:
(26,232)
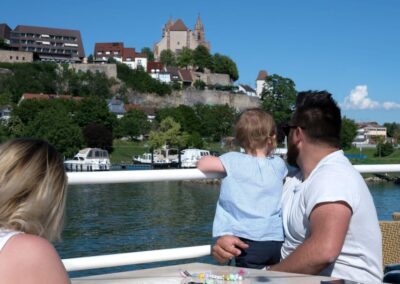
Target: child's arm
(210,164)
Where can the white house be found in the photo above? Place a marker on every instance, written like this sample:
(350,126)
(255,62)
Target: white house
(370,134)
(260,82)
(246,89)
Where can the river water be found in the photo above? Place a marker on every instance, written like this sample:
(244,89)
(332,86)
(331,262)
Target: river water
(117,218)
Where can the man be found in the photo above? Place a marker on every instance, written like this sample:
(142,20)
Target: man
(329,218)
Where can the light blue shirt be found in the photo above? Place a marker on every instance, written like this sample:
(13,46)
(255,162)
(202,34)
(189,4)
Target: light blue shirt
(249,204)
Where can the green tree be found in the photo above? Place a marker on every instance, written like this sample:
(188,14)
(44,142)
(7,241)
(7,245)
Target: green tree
(90,59)
(56,126)
(348,132)
(202,58)
(29,78)
(185,58)
(391,128)
(98,136)
(216,121)
(169,133)
(224,65)
(279,97)
(94,110)
(184,115)
(199,84)
(384,149)
(195,141)
(149,53)
(141,81)
(4,45)
(167,58)
(133,124)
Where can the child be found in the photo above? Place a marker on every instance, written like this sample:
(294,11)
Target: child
(249,204)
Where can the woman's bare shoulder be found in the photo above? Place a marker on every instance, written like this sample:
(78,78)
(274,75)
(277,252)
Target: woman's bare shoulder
(33,259)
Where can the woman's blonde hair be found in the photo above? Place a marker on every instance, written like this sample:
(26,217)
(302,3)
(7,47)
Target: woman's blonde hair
(33,186)
(254,129)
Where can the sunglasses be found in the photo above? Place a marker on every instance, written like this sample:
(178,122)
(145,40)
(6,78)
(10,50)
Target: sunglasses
(286,128)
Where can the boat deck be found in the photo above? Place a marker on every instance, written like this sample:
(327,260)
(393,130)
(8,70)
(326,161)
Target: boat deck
(171,274)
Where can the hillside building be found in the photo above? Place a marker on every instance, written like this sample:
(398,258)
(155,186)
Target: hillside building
(175,36)
(117,51)
(260,82)
(48,44)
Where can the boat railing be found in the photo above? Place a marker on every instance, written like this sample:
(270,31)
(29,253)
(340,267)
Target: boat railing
(105,261)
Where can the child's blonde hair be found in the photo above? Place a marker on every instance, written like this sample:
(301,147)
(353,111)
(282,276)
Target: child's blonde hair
(255,129)
(33,186)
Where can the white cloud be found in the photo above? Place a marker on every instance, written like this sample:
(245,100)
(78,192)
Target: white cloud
(358,99)
(390,105)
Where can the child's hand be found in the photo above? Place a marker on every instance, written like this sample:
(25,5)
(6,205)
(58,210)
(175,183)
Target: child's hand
(227,247)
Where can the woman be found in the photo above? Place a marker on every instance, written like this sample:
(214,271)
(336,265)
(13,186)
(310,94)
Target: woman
(32,201)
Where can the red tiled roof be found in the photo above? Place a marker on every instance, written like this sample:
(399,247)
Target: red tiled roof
(147,110)
(154,65)
(186,75)
(141,55)
(30,96)
(262,75)
(178,26)
(128,53)
(108,46)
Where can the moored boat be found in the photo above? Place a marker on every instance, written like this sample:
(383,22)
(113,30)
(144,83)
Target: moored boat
(89,159)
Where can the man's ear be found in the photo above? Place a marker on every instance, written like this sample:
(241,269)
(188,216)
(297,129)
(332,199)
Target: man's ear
(297,134)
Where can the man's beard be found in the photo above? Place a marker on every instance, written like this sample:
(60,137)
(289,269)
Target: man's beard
(292,154)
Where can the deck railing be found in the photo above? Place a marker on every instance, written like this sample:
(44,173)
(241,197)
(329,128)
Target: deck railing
(103,261)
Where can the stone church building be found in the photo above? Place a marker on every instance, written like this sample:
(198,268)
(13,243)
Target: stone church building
(176,35)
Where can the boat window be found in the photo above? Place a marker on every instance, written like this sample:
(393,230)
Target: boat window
(97,154)
(81,159)
(91,154)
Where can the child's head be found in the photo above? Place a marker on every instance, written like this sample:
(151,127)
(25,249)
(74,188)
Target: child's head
(33,186)
(255,129)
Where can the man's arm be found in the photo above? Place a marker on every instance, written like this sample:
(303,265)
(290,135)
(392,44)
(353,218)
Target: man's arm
(329,223)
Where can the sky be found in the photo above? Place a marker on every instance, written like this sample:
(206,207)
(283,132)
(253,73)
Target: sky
(350,48)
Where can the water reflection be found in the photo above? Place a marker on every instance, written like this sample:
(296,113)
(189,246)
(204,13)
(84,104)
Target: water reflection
(117,218)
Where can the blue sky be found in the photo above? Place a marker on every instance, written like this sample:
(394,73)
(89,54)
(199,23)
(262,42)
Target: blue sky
(350,48)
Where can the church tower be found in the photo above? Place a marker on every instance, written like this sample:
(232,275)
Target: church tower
(199,31)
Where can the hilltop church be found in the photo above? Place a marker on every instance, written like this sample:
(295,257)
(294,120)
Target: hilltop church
(176,35)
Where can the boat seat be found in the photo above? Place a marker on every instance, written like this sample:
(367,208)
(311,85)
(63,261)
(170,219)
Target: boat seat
(390,241)
(391,250)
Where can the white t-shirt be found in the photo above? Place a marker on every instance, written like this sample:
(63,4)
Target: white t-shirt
(5,235)
(335,179)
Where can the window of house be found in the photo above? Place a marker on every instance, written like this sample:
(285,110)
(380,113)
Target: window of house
(11,57)
(17,57)
(23,57)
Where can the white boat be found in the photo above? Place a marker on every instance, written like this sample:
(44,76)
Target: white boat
(89,159)
(162,158)
(190,157)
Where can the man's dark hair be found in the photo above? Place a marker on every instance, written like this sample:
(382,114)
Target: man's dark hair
(319,115)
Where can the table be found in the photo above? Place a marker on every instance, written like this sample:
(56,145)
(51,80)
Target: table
(171,274)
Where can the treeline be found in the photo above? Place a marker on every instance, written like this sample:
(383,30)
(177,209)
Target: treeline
(50,78)
(72,125)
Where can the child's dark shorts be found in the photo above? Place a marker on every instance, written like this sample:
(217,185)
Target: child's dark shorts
(259,254)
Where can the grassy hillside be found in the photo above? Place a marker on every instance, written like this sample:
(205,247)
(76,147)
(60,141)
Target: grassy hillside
(124,150)
(394,158)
